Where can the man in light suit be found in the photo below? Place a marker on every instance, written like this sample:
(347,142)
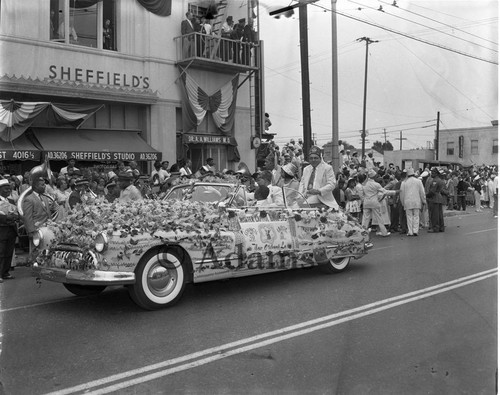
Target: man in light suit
(187,28)
(38,208)
(318,182)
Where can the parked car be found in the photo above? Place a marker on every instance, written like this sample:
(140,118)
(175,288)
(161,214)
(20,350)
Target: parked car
(199,232)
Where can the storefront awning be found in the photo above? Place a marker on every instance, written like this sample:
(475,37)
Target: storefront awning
(95,145)
(19,149)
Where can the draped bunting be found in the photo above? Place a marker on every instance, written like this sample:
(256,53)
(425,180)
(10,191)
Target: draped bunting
(16,117)
(157,7)
(222,104)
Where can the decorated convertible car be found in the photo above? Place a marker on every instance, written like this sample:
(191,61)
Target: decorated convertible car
(199,232)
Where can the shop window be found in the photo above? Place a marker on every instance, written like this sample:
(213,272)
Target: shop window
(450,149)
(474,147)
(495,146)
(82,22)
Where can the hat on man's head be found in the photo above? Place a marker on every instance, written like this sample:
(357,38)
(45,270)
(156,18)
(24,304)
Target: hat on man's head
(81,181)
(111,175)
(290,169)
(126,176)
(242,20)
(372,173)
(314,150)
(4,182)
(410,172)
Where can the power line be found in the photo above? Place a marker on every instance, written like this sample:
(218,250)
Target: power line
(410,36)
(421,24)
(435,20)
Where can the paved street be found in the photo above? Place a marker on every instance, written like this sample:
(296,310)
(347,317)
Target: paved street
(415,316)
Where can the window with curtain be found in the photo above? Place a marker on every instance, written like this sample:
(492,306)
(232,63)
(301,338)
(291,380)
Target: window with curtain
(474,147)
(450,149)
(87,20)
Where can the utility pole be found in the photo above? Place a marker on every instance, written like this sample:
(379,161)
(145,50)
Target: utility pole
(363,132)
(304,61)
(304,66)
(401,140)
(385,136)
(335,94)
(436,148)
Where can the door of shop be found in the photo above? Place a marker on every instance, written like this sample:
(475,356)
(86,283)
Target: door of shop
(199,154)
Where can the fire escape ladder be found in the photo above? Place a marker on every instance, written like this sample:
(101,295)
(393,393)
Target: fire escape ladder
(251,88)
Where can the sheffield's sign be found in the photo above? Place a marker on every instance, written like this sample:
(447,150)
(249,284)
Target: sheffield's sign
(206,139)
(97,77)
(104,156)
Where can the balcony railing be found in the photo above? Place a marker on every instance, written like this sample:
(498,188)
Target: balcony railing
(222,54)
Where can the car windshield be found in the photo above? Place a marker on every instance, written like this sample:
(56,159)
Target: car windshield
(200,193)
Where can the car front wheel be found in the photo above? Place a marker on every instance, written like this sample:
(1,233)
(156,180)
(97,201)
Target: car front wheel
(335,265)
(160,279)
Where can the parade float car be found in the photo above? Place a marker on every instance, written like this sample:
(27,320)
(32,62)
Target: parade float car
(202,231)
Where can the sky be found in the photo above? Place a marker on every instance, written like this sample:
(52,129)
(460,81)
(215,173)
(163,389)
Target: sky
(431,56)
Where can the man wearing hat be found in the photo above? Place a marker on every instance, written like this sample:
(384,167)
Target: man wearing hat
(113,191)
(412,196)
(8,229)
(435,192)
(318,181)
(372,195)
(38,208)
(477,185)
(128,191)
(237,35)
(76,197)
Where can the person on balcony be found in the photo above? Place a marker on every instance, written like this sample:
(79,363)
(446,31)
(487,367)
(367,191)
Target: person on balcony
(249,41)
(237,35)
(225,47)
(187,29)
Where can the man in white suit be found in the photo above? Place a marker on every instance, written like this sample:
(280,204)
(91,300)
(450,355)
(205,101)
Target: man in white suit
(318,181)
(412,196)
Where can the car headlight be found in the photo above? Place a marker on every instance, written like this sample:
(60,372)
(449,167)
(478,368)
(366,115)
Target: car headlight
(101,242)
(37,237)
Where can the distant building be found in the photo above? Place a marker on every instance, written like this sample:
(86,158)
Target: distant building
(408,158)
(469,146)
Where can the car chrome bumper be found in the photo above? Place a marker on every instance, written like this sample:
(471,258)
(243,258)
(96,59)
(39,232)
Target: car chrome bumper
(89,277)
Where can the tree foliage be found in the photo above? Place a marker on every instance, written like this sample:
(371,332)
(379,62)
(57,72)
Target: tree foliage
(381,147)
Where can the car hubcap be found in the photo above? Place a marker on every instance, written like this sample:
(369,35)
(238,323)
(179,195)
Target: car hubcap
(162,277)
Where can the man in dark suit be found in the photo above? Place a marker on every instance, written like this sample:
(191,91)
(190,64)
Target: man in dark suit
(8,229)
(38,208)
(187,28)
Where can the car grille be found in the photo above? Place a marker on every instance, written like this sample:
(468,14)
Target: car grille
(73,260)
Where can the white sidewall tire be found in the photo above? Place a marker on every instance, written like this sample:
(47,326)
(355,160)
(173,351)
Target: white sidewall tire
(160,280)
(336,265)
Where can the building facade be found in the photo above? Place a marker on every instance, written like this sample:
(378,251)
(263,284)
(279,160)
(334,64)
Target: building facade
(128,59)
(469,146)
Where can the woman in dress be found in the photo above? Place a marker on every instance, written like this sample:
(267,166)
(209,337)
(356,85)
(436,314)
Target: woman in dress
(353,200)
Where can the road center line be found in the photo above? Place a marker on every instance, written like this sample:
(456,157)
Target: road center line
(480,231)
(224,351)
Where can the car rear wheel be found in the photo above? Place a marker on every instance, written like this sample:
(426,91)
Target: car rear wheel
(160,279)
(84,290)
(335,265)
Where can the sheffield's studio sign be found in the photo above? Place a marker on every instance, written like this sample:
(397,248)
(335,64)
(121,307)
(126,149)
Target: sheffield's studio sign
(103,156)
(206,139)
(97,77)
